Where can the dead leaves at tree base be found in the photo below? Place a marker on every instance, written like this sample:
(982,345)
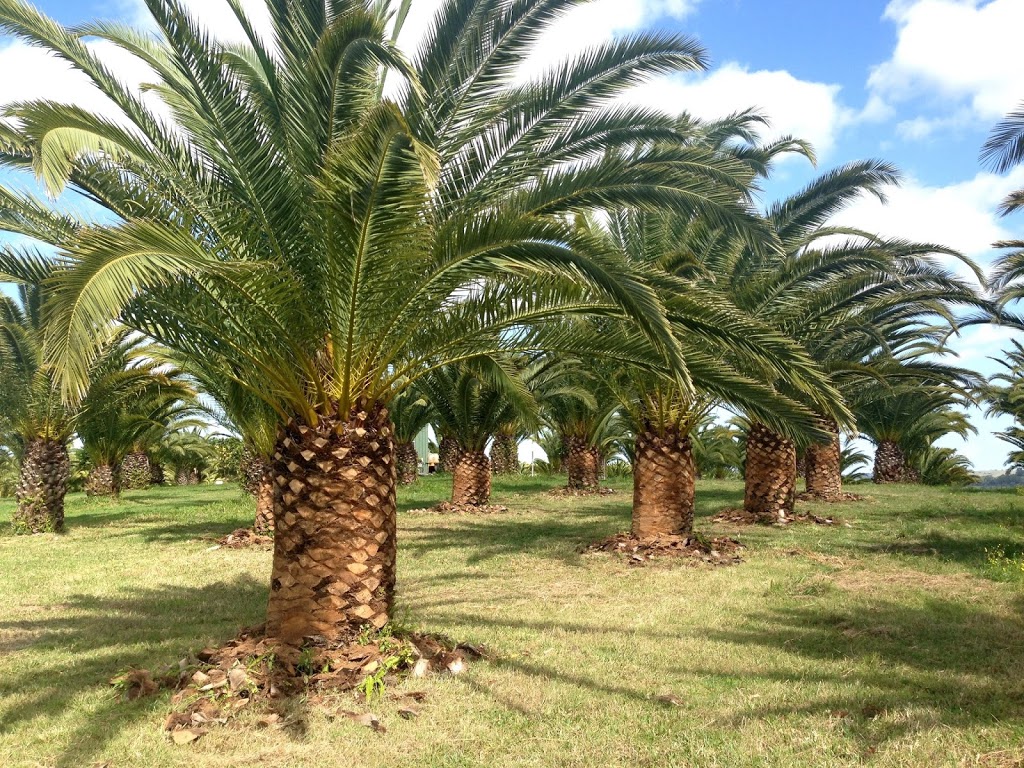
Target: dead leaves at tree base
(449,508)
(252,671)
(742,517)
(694,549)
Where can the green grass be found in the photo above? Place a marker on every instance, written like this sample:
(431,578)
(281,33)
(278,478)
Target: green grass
(895,641)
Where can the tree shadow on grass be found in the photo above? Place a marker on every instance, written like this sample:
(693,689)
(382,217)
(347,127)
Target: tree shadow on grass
(972,551)
(952,658)
(484,538)
(145,628)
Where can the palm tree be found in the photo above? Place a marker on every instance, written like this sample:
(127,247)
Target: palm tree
(133,398)
(904,420)
(472,402)
(34,421)
(410,414)
(326,246)
(1005,149)
(187,453)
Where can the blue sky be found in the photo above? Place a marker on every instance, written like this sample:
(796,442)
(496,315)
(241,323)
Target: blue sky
(917,82)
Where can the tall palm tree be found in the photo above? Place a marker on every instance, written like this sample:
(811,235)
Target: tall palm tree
(325,246)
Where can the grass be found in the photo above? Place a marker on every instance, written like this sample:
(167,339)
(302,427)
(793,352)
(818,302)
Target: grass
(897,640)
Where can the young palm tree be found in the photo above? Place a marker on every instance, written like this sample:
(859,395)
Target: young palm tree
(325,246)
(410,414)
(904,420)
(472,402)
(34,421)
(132,400)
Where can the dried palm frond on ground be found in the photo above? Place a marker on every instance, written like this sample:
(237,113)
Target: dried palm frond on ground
(244,538)
(449,508)
(718,551)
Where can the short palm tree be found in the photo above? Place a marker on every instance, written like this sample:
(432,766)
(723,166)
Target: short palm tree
(325,246)
(132,399)
(35,423)
(471,403)
(410,413)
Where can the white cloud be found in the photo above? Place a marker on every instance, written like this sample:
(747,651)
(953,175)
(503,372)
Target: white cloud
(807,110)
(959,51)
(960,215)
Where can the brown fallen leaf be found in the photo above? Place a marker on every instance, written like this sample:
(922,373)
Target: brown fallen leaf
(186,736)
(409,713)
(273,720)
(237,678)
(418,696)
(135,684)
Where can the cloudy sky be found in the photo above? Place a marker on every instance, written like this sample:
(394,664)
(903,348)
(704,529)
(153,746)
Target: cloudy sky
(917,82)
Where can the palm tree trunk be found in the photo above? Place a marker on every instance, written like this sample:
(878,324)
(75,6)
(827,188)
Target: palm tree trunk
(471,483)
(42,485)
(770,482)
(157,477)
(505,455)
(103,480)
(264,523)
(664,485)
(448,453)
(582,464)
(136,471)
(408,463)
(184,477)
(889,462)
(824,465)
(334,544)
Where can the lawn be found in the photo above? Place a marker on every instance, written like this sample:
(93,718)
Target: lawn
(895,638)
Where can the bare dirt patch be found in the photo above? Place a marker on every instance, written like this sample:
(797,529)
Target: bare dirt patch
(695,549)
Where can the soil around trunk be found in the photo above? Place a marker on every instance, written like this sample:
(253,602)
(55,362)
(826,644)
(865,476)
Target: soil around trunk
(581,492)
(245,538)
(744,517)
(696,550)
(254,672)
(450,508)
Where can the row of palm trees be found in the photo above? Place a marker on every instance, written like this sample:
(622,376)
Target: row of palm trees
(322,231)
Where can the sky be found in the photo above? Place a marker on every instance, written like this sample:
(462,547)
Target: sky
(916,82)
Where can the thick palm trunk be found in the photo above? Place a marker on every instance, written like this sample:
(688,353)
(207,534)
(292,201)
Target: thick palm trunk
(408,463)
(824,465)
(448,453)
(582,464)
(471,483)
(103,480)
(136,471)
(264,523)
(42,485)
(254,469)
(889,462)
(184,477)
(664,485)
(157,477)
(770,482)
(334,544)
(505,455)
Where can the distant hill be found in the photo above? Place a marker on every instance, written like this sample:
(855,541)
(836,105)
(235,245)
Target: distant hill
(999,479)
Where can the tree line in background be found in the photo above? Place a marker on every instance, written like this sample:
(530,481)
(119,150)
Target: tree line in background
(323,265)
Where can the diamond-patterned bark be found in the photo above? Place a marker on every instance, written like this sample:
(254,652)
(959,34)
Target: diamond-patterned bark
(136,471)
(42,485)
(103,480)
(334,544)
(505,455)
(890,463)
(582,463)
(770,480)
(664,482)
(823,465)
(448,453)
(471,482)
(408,463)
